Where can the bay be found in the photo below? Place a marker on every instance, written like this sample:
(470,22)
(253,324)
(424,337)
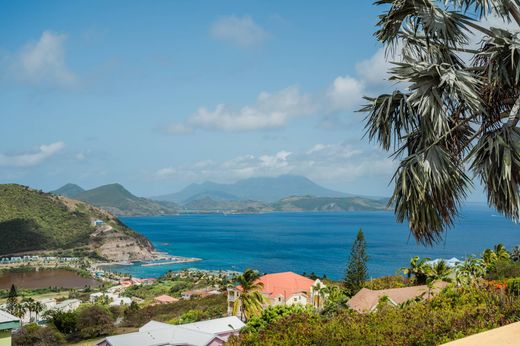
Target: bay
(310,242)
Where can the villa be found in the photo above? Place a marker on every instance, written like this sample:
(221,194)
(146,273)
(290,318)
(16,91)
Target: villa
(286,288)
(8,322)
(367,300)
(112,299)
(204,333)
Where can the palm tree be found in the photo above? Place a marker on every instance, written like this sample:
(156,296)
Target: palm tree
(439,271)
(471,269)
(37,308)
(251,300)
(19,310)
(418,268)
(491,257)
(29,305)
(319,292)
(456,108)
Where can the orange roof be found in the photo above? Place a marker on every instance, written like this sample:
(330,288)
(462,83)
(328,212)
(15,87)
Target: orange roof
(285,284)
(366,299)
(165,299)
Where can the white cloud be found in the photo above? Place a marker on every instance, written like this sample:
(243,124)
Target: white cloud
(345,93)
(374,70)
(33,158)
(241,31)
(322,162)
(43,62)
(272,110)
(178,128)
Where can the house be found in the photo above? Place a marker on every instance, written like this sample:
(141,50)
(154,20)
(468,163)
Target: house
(205,333)
(111,298)
(68,305)
(286,288)
(203,292)
(367,300)
(8,322)
(165,299)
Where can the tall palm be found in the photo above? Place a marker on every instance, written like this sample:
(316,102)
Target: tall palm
(37,308)
(418,268)
(251,300)
(471,269)
(456,108)
(439,271)
(492,256)
(19,311)
(319,292)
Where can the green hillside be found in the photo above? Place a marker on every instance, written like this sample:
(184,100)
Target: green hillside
(32,220)
(309,203)
(69,190)
(118,200)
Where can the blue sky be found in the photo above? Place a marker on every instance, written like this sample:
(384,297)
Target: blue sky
(157,95)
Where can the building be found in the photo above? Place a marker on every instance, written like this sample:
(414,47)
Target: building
(165,299)
(205,333)
(367,300)
(8,322)
(283,288)
(203,292)
(507,335)
(112,299)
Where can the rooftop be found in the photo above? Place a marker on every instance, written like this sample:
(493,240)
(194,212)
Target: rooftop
(285,284)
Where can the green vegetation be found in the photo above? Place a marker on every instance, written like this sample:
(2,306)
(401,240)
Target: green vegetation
(452,314)
(457,109)
(118,200)
(169,287)
(32,220)
(251,300)
(193,310)
(356,273)
(69,190)
(32,334)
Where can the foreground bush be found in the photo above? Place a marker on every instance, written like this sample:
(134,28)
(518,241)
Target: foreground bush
(451,315)
(33,334)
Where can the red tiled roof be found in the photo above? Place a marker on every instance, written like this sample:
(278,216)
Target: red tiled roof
(285,284)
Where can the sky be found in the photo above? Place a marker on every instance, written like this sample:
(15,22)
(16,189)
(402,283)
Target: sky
(156,95)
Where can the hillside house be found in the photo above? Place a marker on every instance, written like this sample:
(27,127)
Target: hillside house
(286,288)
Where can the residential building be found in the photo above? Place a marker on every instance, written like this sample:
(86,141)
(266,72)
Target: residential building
(112,299)
(286,288)
(205,333)
(367,300)
(8,322)
(165,299)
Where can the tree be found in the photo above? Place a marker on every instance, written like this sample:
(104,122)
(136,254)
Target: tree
(471,269)
(492,256)
(37,308)
(356,273)
(418,268)
(12,299)
(32,334)
(94,321)
(457,109)
(65,322)
(439,271)
(251,300)
(515,254)
(319,291)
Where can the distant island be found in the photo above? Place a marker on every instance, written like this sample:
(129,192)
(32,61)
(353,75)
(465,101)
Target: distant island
(286,193)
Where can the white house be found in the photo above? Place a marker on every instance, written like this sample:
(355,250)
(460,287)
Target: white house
(112,299)
(205,333)
(68,305)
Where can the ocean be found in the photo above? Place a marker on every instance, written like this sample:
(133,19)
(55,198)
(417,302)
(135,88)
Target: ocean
(310,242)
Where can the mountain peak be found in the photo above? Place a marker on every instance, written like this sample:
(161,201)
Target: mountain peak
(69,190)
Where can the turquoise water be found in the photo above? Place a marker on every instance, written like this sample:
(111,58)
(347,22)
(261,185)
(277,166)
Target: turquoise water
(310,242)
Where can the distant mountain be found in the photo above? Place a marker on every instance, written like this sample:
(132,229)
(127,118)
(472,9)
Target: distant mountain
(310,203)
(207,204)
(264,189)
(68,190)
(32,220)
(118,200)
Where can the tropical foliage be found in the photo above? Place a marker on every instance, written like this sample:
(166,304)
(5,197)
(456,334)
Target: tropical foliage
(450,315)
(458,107)
(251,300)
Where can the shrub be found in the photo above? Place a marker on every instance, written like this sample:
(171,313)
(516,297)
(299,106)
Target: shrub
(33,334)
(452,314)
(273,314)
(65,322)
(504,269)
(94,320)
(386,282)
(513,286)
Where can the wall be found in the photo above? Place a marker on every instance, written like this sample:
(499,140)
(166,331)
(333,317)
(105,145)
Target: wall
(5,337)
